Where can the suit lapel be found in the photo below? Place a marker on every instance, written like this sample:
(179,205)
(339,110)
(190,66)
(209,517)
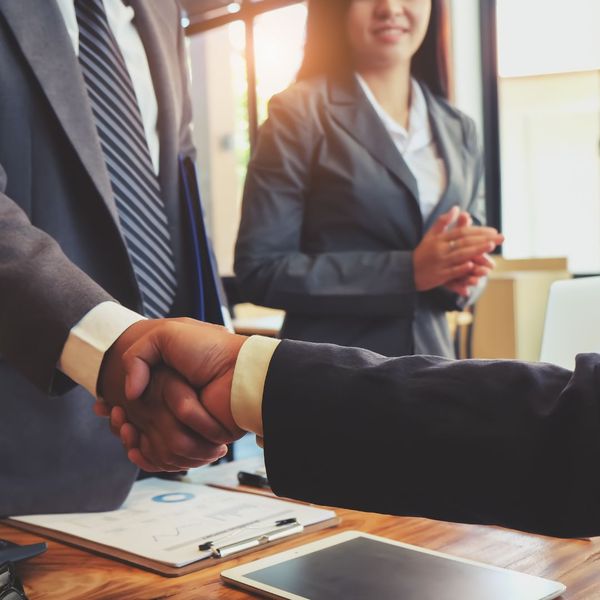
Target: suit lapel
(448,134)
(46,46)
(352,110)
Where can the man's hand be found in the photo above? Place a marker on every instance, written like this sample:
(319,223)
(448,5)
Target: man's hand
(166,442)
(205,355)
(112,372)
(169,415)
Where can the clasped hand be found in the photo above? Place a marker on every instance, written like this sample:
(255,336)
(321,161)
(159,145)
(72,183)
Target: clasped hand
(454,253)
(166,385)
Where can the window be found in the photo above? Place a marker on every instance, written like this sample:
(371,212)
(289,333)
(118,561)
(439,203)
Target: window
(220,101)
(241,54)
(279,45)
(549,123)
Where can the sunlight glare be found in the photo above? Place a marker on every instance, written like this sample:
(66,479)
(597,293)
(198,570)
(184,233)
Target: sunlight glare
(538,37)
(279,45)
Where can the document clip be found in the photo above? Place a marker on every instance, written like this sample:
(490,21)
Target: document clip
(284,528)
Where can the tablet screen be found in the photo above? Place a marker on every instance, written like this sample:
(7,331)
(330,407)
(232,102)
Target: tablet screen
(364,568)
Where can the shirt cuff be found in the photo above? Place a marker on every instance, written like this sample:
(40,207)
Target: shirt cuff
(248,384)
(90,338)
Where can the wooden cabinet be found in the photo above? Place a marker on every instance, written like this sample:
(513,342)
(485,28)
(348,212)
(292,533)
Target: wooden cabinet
(510,314)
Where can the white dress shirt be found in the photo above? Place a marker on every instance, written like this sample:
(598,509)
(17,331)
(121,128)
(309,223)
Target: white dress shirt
(417,146)
(248,383)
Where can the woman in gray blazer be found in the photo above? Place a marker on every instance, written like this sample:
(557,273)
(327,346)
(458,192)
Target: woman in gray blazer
(362,192)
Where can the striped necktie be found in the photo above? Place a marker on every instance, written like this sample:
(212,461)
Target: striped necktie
(134,184)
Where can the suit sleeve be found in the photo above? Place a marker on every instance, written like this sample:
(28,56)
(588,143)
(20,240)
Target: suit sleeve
(271,265)
(489,442)
(441,297)
(42,296)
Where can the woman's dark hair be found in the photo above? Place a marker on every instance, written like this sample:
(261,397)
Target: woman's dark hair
(326,51)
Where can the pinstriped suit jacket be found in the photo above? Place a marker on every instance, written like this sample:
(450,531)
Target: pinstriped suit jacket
(61,250)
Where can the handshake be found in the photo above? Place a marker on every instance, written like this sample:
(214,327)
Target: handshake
(166,386)
(178,390)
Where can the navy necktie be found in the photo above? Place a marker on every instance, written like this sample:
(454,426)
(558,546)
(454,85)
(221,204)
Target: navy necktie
(134,184)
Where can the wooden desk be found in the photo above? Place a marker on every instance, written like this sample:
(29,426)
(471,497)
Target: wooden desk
(65,573)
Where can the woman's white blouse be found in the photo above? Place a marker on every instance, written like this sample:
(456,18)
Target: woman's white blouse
(417,146)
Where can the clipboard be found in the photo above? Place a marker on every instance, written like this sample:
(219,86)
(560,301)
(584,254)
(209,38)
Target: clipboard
(154,510)
(210,301)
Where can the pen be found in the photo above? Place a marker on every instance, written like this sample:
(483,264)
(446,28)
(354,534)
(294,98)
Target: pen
(253,479)
(283,528)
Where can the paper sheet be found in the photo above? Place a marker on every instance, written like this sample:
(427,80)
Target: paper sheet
(167,520)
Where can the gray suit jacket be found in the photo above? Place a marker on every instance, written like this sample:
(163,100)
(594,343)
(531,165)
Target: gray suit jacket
(331,216)
(62,252)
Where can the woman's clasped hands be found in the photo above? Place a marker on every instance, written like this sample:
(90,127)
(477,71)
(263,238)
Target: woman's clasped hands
(454,253)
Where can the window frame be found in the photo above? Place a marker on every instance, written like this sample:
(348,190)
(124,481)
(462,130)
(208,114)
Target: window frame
(488,31)
(248,12)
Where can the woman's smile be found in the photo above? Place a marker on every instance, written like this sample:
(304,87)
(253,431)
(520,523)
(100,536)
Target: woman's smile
(389,33)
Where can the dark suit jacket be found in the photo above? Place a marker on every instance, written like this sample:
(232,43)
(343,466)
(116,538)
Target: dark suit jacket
(62,252)
(492,442)
(330,218)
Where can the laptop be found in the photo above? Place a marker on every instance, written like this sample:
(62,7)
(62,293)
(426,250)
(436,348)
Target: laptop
(572,324)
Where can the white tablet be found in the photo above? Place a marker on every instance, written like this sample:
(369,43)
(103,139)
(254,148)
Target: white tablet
(354,565)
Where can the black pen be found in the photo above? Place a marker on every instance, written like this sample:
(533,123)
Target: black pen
(253,479)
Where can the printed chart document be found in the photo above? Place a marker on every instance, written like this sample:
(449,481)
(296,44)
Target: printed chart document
(163,524)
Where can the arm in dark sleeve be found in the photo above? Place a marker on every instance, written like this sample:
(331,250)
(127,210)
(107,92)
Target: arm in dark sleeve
(42,295)
(270,264)
(489,442)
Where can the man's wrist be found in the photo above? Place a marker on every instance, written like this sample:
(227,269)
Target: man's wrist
(111,376)
(89,340)
(248,383)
